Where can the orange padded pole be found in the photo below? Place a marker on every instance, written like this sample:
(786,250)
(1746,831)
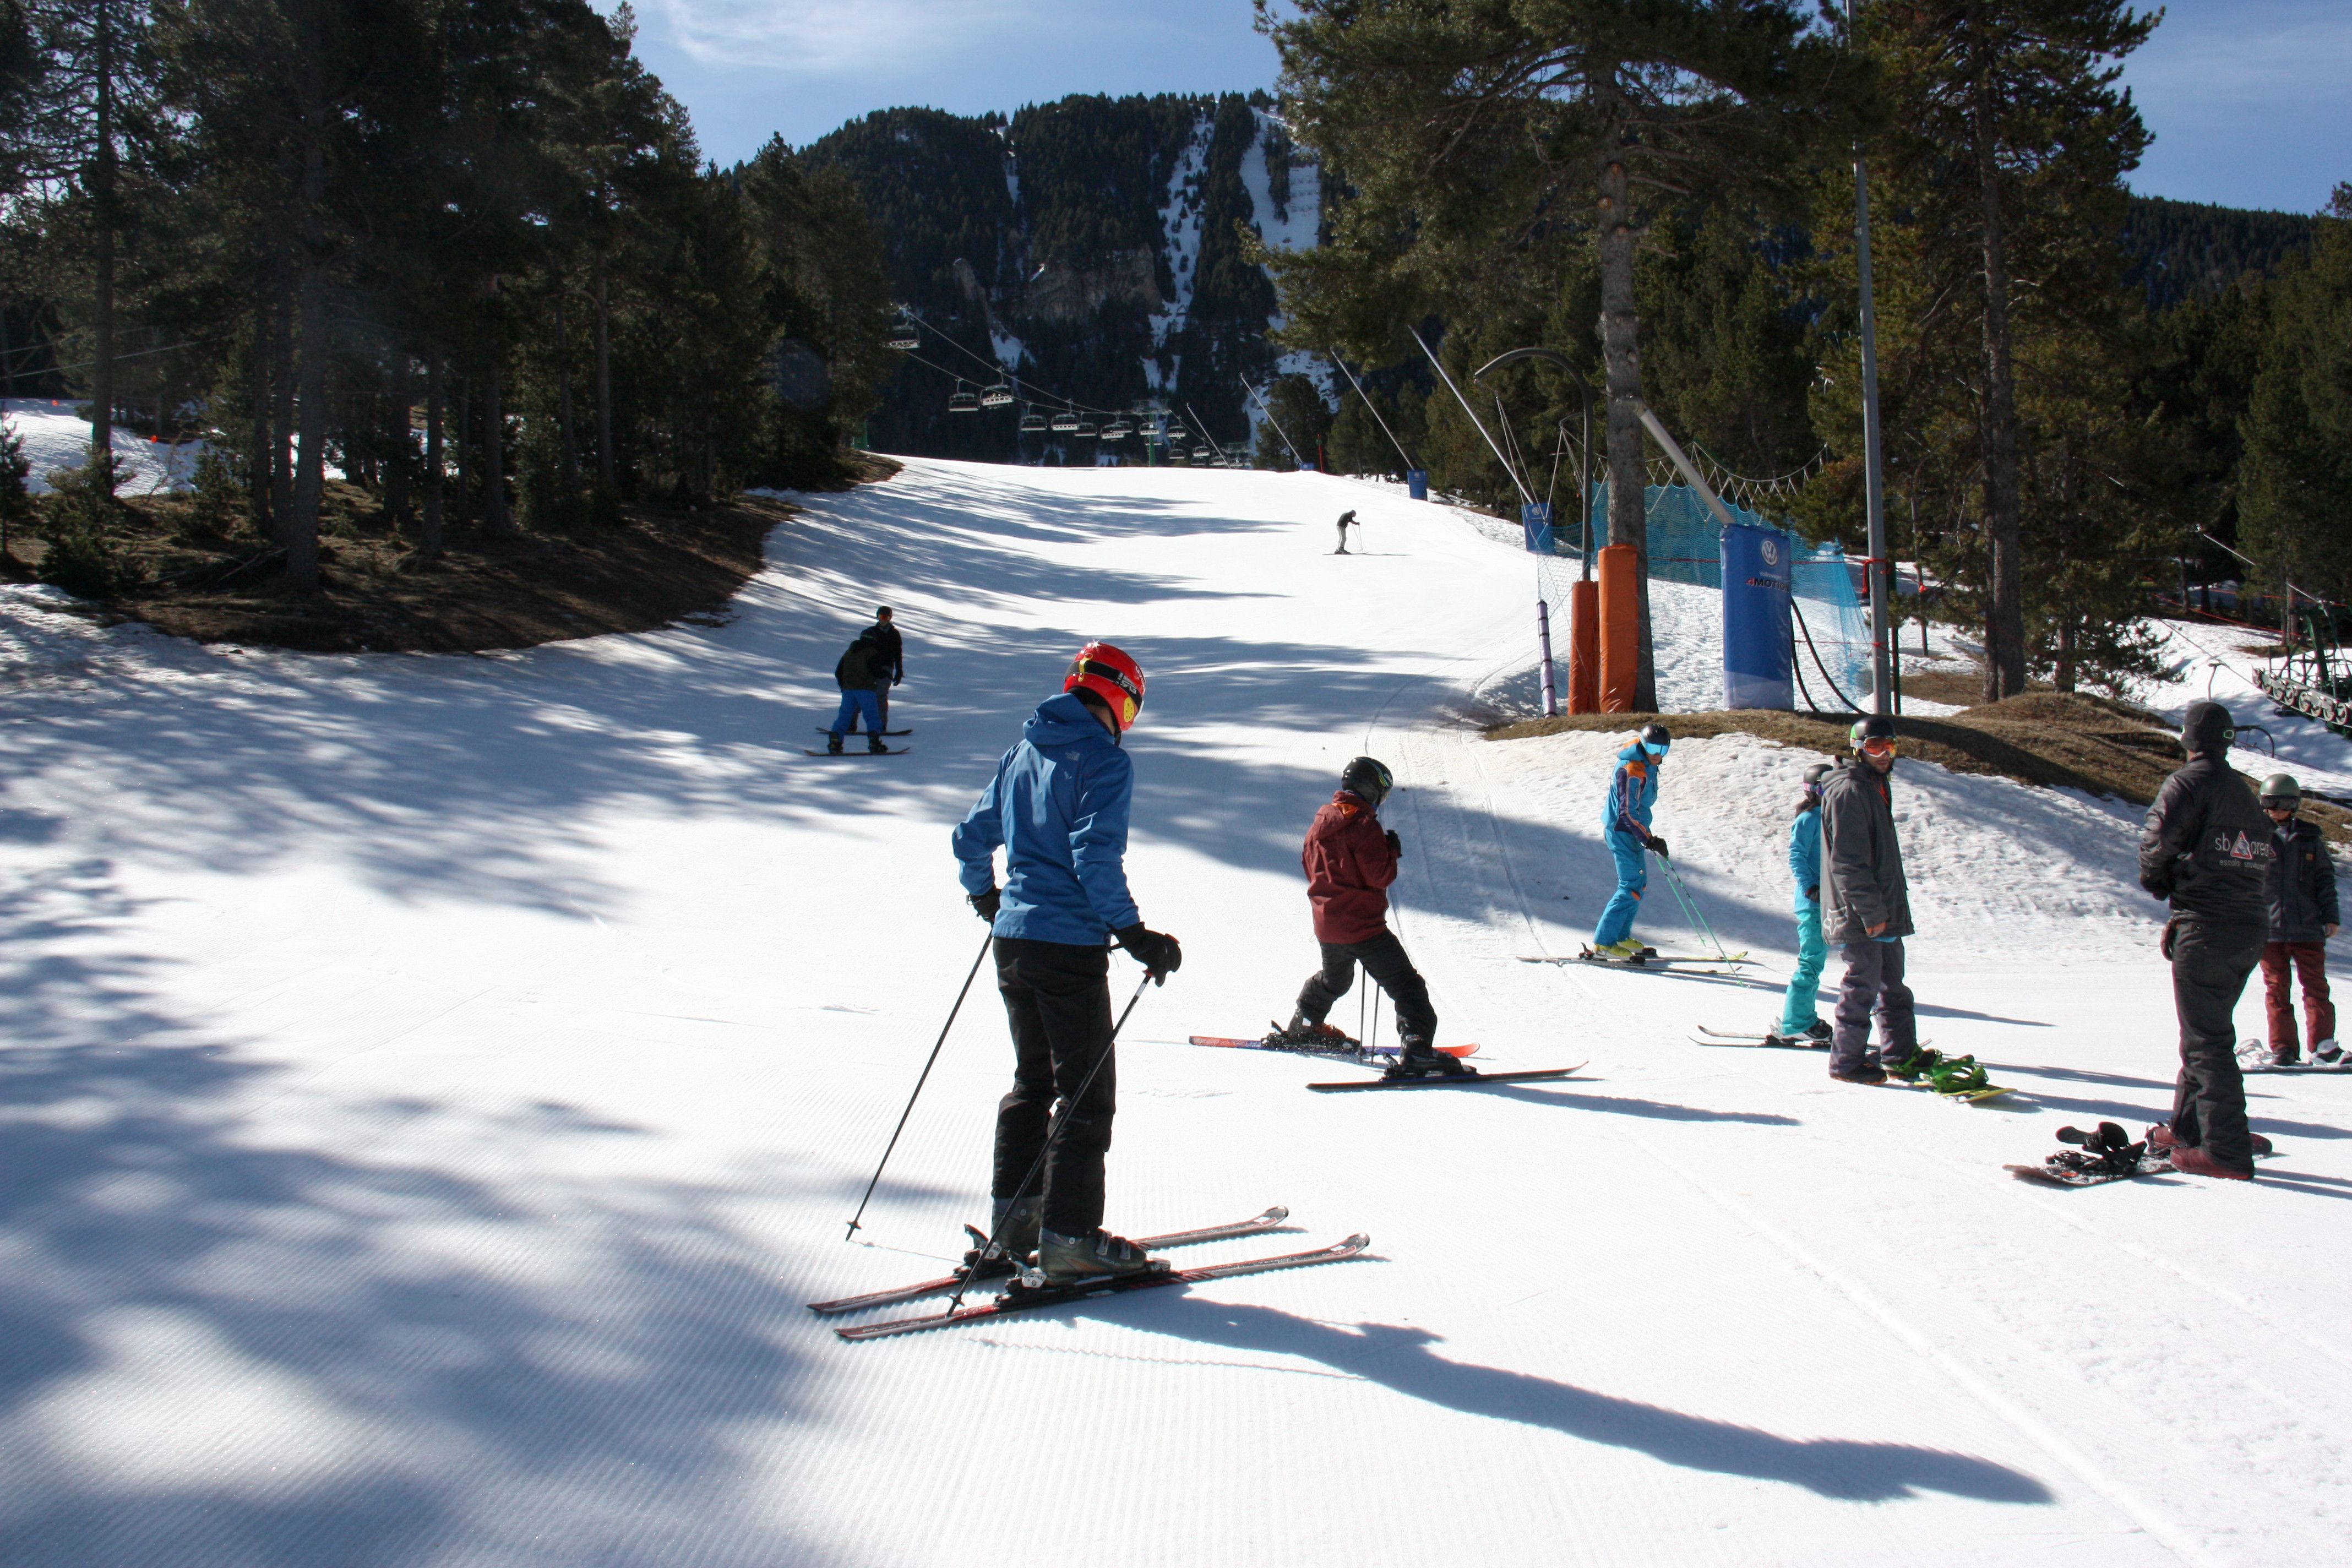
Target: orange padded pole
(1584,647)
(1621,632)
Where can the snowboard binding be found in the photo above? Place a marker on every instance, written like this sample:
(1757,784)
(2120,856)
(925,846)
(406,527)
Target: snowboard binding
(2107,1150)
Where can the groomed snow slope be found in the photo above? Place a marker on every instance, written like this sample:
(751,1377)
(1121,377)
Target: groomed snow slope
(433,1086)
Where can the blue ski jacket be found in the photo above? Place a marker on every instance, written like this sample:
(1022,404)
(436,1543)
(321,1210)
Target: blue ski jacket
(1805,855)
(1058,806)
(1633,793)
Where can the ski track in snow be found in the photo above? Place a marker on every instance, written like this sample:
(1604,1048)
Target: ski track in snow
(433,1086)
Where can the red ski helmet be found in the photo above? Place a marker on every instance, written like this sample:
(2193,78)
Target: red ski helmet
(1110,675)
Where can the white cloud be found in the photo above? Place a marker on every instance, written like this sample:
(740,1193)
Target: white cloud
(831,37)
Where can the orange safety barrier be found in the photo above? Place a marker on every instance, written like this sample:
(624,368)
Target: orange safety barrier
(1621,629)
(1584,647)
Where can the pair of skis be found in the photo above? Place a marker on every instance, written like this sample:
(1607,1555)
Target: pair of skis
(1021,1295)
(1350,1051)
(1651,958)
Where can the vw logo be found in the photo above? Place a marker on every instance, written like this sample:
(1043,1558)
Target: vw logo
(1771,553)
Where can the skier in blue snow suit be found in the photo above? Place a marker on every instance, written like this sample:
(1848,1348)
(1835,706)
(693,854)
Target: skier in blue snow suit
(1058,807)
(1800,1017)
(1625,826)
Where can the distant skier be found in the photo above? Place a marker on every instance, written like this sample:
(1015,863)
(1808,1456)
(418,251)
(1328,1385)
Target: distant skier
(857,673)
(1625,826)
(2207,848)
(1867,908)
(1349,862)
(1800,1017)
(2302,916)
(1345,519)
(890,663)
(1058,806)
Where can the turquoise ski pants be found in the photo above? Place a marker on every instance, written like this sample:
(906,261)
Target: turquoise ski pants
(1801,1007)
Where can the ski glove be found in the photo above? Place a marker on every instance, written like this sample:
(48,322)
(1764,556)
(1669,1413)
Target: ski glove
(2164,943)
(1814,894)
(984,904)
(1156,951)
(1396,844)
(1658,848)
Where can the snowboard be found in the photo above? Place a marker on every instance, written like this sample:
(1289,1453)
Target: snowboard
(2255,1056)
(1348,1052)
(1466,1081)
(860,751)
(1779,1042)
(827,730)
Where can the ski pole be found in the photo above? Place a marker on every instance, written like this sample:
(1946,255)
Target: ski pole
(1061,1124)
(919,1084)
(1690,907)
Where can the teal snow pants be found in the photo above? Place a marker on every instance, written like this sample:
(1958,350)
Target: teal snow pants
(1801,1007)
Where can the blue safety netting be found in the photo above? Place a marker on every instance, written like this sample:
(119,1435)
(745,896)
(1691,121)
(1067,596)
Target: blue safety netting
(1685,546)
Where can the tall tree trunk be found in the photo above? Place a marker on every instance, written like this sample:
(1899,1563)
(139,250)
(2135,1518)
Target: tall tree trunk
(2064,676)
(465,466)
(1622,363)
(604,383)
(429,542)
(399,445)
(310,480)
(101,375)
(494,449)
(2005,610)
(571,451)
(257,468)
(282,412)
(8,354)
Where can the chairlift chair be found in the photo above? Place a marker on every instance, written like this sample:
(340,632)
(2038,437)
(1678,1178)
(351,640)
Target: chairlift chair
(904,336)
(1175,436)
(1087,431)
(1065,422)
(999,395)
(1032,424)
(1118,430)
(963,402)
(1204,454)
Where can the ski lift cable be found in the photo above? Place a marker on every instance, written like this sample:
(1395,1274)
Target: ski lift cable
(997,368)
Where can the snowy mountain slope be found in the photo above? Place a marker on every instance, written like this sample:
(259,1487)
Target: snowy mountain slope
(55,438)
(434,1084)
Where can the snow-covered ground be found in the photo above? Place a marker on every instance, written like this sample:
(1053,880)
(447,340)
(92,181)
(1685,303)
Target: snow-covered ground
(433,1086)
(55,436)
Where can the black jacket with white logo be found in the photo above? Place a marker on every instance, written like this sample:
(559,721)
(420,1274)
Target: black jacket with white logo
(2206,846)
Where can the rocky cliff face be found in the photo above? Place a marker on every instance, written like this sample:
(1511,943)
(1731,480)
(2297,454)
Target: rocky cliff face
(1085,253)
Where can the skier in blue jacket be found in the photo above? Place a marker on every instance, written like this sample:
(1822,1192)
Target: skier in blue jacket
(1800,1019)
(1058,807)
(1625,827)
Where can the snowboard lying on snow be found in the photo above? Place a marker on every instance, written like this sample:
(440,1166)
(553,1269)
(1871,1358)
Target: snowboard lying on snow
(2106,1153)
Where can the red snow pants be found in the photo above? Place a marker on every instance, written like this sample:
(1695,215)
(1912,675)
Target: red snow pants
(2281,961)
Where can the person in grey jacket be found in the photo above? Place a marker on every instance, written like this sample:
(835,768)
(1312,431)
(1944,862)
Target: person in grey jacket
(2207,849)
(1867,908)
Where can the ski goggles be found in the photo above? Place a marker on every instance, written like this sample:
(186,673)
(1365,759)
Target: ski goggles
(1657,748)
(1877,746)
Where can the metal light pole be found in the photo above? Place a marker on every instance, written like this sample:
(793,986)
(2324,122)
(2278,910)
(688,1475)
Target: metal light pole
(1880,567)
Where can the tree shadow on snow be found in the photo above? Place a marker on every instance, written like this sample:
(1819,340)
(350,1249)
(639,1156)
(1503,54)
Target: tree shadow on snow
(218,1347)
(1400,1358)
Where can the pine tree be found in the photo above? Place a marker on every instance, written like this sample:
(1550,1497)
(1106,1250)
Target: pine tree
(2297,472)
(1476,136)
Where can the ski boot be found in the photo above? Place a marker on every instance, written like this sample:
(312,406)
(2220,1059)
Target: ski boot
(1625,951)
(1066,1260)
(876,745)
(1819,1030)
(2326,1053)
(2254,1056)
(1016,1223)
(1418,1060)
(832,745)
(2161,1140)
(1922,1062)
(1299,1035)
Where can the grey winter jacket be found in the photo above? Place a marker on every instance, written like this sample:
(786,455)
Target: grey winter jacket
(1862,865)
(2302,883)
(2207,845)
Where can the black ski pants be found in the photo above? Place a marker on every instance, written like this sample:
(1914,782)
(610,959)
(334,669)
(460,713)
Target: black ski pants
(1057,1000)
(1383,958)
(1872,983)
(2209,966)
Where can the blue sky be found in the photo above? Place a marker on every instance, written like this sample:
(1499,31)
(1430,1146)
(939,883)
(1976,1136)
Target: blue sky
(2246,97)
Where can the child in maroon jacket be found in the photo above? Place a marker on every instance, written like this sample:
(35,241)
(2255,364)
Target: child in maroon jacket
(1349,862)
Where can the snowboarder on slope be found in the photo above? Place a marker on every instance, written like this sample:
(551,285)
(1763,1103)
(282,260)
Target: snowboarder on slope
(1345,519)
(2207,848)
(1800,1017)
(855,674)
(1058,806)
(889,664)
(1351,861)
(1625,826)
(2302,894)
(1866,907)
